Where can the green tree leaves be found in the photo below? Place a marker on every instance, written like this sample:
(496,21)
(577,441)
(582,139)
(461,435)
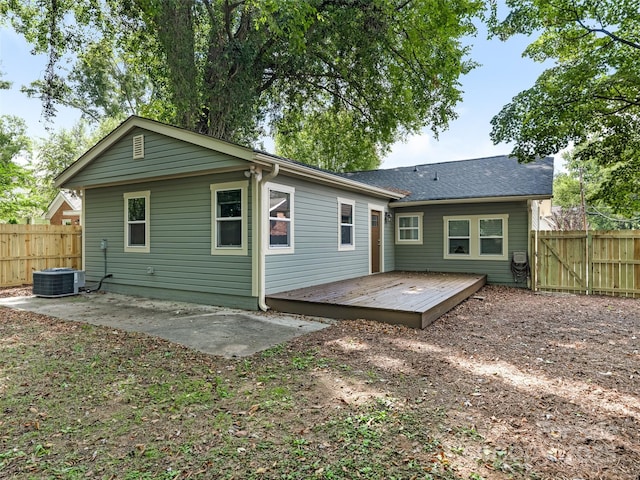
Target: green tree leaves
(311,139)
(589,98)
(395,70)
(54,154)
(589,178)
(370,70)
(15,151)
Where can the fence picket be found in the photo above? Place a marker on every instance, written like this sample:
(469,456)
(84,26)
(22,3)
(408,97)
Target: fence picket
(28,248)
(598,262)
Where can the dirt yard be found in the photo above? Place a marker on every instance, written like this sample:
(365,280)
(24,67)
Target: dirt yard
(551,379)
(511,384)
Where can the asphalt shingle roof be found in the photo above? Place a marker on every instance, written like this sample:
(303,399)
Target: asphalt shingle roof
(500,176)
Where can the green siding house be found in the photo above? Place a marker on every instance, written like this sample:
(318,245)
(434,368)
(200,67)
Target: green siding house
(173,214)
(466,216)
(169,213)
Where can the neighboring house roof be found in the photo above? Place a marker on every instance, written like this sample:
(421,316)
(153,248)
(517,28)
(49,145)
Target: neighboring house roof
(499,178)
(74,202)
(253,156)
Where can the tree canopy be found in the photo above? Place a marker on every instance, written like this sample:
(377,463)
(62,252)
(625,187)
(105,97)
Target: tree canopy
(55,153)
(590,96)
(51,155)
(15,152)
(319,75)
(585,178)
(28,167)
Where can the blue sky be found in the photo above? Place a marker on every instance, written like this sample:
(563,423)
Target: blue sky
(20,67)
(502,74)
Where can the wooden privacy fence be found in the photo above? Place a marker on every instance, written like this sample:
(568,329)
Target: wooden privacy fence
(594,262)
(28,248)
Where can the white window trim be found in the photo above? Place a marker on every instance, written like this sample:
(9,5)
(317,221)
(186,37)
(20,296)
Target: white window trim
(221,187)
(474,238)
(146,248)
(420,216)
(348,246)
(266,194)
(459,237)
(490,236)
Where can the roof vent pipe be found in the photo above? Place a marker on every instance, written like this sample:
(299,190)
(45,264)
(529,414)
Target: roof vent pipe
(435,176)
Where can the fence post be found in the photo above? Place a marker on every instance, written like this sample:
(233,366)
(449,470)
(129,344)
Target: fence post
(588,263)
(533,261)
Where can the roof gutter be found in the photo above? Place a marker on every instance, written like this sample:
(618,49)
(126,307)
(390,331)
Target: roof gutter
(326,178)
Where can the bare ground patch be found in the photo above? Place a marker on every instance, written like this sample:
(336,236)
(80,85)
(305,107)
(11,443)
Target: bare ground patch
(513,385)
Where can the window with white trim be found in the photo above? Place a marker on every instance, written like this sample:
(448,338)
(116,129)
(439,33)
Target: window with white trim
(459,237)
(279,202)
(136,220)
(476,237)
(491,236)
(409,228)
(229,218)
(346,224)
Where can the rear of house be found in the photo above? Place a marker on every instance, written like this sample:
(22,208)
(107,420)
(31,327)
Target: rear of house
(172,214)
(335,235)
(467,216)
(465,238)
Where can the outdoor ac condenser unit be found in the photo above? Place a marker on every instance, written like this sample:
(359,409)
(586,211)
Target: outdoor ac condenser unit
(57,282)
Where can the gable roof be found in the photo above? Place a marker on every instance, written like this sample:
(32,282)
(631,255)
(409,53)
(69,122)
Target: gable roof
(499,178)
(74,202)
(255,157)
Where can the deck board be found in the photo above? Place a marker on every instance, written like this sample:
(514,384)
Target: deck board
(413,299)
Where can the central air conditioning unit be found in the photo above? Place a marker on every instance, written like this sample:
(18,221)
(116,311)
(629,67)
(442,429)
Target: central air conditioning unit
(57,282)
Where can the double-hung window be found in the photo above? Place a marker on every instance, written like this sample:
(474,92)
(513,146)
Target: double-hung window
(346,224)
(229,222)
(459,237)
(409,228)
(491,236)
(279,202)
(476,237)
(136,219)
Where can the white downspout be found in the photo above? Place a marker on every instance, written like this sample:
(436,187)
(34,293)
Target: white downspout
(261,230)
(83,246)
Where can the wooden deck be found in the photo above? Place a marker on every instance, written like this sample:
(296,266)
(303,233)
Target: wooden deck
(407,298)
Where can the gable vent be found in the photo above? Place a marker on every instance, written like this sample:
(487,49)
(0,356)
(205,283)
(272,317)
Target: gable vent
(138,147)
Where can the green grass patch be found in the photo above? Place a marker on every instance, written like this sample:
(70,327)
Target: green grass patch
(84,402)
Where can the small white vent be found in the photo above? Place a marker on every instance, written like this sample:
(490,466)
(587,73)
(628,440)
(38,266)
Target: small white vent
(138,147)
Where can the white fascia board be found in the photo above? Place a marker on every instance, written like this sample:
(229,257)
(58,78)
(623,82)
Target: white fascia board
(54,205)
(164,177)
